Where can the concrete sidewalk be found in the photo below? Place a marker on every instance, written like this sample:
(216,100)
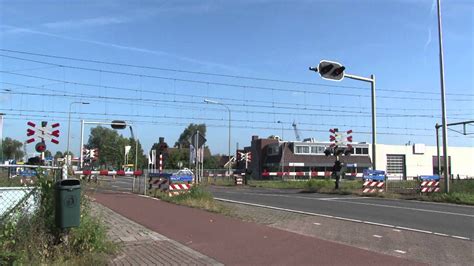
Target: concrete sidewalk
(141,246)
(227,240)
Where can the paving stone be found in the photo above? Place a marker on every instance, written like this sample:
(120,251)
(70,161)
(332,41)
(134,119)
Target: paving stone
(141,246)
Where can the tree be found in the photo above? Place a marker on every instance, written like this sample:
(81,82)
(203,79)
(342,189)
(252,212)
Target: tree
(110,144)
(12,149)
(47,153)
(142,161)
(111,147)
(58,155)
(183,141)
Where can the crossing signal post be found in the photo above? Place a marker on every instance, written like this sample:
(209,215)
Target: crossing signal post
(42,132)
(340,146)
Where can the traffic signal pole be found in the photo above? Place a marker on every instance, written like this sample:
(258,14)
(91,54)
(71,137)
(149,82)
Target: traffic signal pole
(330,70)
(374,117)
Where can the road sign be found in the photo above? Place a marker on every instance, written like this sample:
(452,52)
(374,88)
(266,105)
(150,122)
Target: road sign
(43,132)
(197,139)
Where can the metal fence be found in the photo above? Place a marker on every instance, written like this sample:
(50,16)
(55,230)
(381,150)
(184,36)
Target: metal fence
(19,191)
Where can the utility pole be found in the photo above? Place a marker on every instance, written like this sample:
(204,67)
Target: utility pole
(443,101)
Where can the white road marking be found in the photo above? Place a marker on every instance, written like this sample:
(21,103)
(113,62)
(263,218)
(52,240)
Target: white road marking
(345,198)
(400,251)
(461,237)
(317,223)
(395,228)
(348,219)
(412,229)
(379,224)
(352,202)
(377,236)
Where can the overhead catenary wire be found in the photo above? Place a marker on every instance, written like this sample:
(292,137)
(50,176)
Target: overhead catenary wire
(211,82)
(283,104)
(200,118)
(331,114)
(224,125)
(217,74)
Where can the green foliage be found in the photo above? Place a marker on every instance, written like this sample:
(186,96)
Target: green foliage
(278,184)
(212,162)
(34,238)
(452,197)
(58,155)
(175,156)
(183,140)
(111,147)
(197,197)
(12,149)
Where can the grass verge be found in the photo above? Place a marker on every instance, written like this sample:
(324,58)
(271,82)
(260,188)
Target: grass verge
(197,197)
(31,237)
(462,191)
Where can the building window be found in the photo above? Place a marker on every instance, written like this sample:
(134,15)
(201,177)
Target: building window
(361,150)
(317,149)
(395,164)
(301,149)
(273,150)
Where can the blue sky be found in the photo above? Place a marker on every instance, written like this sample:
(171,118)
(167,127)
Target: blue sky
(271,40)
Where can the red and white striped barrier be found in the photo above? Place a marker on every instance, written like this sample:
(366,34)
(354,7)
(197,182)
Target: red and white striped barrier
(159,183)
(106,172)
(429,186)
(176,189)
(320,173)
(373,186)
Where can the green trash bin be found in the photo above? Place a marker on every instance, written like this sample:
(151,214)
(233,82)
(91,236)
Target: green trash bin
(68,203)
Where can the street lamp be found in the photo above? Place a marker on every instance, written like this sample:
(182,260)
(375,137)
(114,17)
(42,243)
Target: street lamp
(69,129)
(335,71)
(228,109)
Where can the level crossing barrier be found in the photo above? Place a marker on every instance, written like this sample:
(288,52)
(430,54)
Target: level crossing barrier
(309,174)
(108,173)
(173,184)
(239,179)
(429,183)
(374,181)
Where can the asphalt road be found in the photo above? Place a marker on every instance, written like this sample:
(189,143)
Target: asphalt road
(455,221)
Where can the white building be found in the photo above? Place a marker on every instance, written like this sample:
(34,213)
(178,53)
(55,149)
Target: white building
(408,161)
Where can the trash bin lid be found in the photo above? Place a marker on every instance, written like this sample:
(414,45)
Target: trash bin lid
(68,183)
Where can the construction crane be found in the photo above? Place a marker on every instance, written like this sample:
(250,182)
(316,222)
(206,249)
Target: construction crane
(297,133)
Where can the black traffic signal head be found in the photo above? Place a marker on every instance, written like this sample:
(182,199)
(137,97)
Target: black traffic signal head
(40,147)
(325,69)
(119,124)
(338,71)
(331,70)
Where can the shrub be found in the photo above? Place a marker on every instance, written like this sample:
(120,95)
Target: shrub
(34,239)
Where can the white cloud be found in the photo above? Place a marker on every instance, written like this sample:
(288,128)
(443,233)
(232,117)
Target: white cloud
(89,22)
(19,30)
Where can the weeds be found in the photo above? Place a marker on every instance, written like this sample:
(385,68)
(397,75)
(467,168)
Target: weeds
(197,197)
(32,238)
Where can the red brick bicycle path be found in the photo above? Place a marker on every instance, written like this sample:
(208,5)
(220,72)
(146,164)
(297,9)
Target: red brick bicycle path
(235,242)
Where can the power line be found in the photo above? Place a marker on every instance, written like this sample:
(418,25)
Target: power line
(225,125)
(353,114)
(210,82)
(285,105)
(201,118)
(215,74)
